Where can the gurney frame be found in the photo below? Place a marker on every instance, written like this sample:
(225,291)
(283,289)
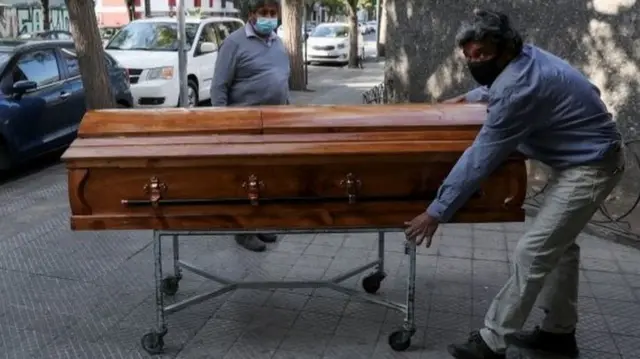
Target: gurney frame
(399,340)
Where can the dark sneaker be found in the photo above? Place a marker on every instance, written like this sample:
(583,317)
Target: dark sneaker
(267,238)
(250,242)
(550,343)
(474,348)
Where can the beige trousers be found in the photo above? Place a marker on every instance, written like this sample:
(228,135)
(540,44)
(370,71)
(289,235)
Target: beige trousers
(546,258)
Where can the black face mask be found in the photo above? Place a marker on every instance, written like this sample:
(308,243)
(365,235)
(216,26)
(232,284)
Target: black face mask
(485,72)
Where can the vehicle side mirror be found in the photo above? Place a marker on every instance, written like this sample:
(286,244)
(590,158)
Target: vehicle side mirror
(22,87)
(207,47)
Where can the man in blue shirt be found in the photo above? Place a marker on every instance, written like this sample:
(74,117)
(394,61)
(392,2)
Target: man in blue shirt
(539,105)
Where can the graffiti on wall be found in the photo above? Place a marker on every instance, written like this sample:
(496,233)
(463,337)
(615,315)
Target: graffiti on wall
(18,20)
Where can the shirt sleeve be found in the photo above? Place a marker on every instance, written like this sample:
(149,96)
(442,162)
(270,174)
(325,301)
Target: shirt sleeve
(510,119)
(223,73)
(479,94)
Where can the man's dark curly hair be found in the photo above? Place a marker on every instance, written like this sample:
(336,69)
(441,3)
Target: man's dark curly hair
(492,26)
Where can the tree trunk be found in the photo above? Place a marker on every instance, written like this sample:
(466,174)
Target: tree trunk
(292,22)
(131,9)
(46,21)
(353,34)
(93,68)
(147,9)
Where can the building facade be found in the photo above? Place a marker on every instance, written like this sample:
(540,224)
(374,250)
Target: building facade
(18,18)
(114,12)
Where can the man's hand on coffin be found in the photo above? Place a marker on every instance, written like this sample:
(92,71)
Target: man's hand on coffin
(457,99)
(421,229)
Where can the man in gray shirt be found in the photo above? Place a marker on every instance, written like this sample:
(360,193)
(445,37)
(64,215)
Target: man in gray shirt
(253,69)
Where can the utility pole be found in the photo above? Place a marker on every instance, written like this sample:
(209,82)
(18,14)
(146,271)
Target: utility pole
(182,55)
(304,38)
(147,8)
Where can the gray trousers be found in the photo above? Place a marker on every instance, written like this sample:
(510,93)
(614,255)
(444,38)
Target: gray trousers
(546,258)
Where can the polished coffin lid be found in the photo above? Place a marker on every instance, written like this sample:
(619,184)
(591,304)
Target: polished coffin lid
(202,161)
(275,131)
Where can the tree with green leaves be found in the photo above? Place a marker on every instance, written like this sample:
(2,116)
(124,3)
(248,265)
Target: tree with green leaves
(333,7)
(369,6)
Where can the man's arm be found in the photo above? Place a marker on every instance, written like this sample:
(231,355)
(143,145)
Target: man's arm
(479,94)
(510,119)
(223,73)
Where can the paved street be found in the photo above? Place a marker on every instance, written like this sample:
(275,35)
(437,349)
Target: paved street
(90,294)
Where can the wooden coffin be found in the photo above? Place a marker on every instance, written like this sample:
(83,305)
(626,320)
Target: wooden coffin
(277,167)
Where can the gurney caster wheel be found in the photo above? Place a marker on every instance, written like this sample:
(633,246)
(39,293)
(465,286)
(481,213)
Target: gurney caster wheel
(152,343)
(400,340)
(170,285)
(371,283)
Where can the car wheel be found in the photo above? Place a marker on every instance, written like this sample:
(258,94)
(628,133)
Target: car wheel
(192,94)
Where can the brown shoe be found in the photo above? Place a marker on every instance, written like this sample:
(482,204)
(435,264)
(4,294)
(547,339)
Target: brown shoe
(250,242)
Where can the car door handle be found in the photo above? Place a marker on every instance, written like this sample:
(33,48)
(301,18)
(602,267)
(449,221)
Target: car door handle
(64,95)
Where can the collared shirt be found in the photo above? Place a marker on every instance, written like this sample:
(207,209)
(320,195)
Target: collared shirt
(544,108)
(251,70)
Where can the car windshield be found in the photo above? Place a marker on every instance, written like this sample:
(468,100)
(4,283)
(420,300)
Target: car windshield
(330,31)
(151,36)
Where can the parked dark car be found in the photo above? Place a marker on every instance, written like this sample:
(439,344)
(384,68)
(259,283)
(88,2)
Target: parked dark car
(42,98)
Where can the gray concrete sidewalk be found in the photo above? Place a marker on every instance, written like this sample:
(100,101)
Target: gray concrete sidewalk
(331,85)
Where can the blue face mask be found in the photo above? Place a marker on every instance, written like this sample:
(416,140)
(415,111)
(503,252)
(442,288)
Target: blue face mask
(266,25)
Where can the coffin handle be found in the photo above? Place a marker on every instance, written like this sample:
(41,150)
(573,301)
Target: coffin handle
(253,186)
(155,189)
(352,186)
(509,202)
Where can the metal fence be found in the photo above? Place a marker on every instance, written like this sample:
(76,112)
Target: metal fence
(379,94)
(619,215)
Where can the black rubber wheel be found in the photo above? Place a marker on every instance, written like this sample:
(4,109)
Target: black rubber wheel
(170,285)
(400,340)
(371,283)
(152,343)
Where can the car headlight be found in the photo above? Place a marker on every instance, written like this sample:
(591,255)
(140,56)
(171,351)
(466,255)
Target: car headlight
(165,73)
(341,46)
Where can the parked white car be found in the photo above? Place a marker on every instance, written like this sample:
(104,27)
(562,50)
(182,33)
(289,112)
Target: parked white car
(372,26)
(148,48)
(362,27)
(329,43)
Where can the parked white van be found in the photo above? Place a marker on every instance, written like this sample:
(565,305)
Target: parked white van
(148,48)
